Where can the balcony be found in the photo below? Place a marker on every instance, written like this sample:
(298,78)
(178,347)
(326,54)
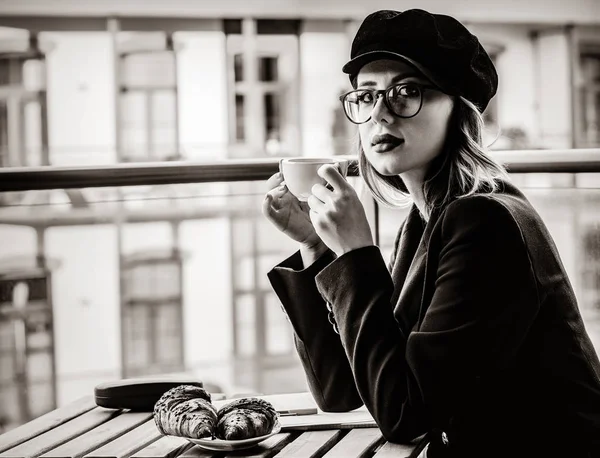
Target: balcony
(140,269)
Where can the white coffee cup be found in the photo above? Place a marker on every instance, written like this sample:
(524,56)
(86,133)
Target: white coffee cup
(300,173)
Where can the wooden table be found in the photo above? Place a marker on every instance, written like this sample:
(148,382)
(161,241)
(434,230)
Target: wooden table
(81,429)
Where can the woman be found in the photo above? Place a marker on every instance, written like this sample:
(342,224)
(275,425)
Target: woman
(472,333)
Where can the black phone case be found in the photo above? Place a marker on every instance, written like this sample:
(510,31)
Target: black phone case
(139,394)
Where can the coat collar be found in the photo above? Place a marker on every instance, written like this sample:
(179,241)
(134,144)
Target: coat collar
(408,271)
(413,290)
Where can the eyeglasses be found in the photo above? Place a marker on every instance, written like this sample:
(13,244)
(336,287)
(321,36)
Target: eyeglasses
(404,100)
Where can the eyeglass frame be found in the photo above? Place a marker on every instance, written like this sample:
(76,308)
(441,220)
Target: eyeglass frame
(378,92)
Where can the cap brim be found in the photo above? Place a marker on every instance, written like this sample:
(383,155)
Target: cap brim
(353,66)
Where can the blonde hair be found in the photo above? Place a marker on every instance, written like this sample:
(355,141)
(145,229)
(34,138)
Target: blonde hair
(462,168)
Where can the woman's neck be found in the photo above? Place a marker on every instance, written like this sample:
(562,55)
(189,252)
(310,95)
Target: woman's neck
(413,180)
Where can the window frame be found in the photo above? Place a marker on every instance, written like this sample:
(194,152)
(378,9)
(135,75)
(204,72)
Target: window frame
(15,96)
(252,46)
(147,91)
(581,87)
(129,300)
(39,300)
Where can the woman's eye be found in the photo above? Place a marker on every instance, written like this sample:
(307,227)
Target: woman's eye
(365,97)
(409,90)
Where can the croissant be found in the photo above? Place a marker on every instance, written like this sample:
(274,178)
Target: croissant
(245,418)
(185,411)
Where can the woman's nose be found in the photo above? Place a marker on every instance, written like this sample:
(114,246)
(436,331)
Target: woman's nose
(381,113)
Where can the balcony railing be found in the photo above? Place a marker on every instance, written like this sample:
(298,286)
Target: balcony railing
(141,268)
(37,178)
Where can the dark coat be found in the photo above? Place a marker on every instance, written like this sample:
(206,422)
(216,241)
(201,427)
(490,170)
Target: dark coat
(475,333)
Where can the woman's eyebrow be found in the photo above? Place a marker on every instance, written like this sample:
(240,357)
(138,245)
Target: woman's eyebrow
(395,79)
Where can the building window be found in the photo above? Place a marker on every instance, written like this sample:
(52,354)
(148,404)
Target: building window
(588,130)
(148,101)
(27,361)
(267,68)
(263,342)
(591,270)
(152,315)
(23,113)
(264,91)
(240,133)
(264,116)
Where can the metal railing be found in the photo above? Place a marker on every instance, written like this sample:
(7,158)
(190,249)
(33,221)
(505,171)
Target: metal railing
(130,174)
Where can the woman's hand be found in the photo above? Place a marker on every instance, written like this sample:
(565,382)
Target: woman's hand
(288,214)
(337,214)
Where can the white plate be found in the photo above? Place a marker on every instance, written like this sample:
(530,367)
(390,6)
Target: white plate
(222,445)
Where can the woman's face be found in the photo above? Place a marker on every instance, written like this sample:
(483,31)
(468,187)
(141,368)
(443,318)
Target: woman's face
(418,140)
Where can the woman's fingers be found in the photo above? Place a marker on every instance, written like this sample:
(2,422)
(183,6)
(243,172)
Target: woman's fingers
(315,204)
(279,191)
(332,175)
(270,204)
(274,181)
(321,193)
(272,199)
(275,191)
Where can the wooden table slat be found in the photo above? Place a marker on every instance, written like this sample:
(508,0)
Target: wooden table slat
(391,450)
(165,447)
(312,443)
(45,423)
(128,443)
(198,452)
(99,436)
(357,443)
(51,439)
(269,447)
(82,430)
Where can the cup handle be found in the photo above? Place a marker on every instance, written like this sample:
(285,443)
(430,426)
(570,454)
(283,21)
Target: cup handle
(281,166)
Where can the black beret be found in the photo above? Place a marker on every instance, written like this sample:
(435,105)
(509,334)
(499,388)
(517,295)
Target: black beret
(437,45)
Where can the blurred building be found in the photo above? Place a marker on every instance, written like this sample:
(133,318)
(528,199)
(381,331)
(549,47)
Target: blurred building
(84,299)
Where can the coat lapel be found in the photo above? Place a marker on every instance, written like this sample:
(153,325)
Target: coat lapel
(409,270)
(405,272)
(428,287)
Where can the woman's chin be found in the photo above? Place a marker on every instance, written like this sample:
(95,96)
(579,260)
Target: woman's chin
(387,165)
(388,170)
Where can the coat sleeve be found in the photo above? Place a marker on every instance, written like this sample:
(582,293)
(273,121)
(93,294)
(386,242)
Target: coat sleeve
(474,321)
(325,364)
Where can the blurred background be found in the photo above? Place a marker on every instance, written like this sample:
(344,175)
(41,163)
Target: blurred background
(102,283)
